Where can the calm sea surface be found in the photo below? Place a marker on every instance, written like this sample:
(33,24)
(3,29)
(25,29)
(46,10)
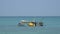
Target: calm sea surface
(8,25)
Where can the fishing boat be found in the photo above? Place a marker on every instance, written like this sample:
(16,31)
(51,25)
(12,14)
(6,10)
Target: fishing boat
(30,23)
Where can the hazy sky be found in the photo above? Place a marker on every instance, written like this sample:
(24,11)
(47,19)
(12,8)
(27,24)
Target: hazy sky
(29,7)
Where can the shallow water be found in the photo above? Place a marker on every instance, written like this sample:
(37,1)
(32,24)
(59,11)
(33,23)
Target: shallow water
(8,25)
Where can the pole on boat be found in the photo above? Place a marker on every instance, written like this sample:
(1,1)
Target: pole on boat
(41,22)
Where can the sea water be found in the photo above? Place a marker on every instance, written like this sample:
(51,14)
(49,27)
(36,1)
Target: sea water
(8,25)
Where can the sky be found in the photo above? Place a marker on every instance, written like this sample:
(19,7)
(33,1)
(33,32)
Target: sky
(29,7)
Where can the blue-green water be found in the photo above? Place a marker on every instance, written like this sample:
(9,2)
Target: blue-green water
(8,25)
